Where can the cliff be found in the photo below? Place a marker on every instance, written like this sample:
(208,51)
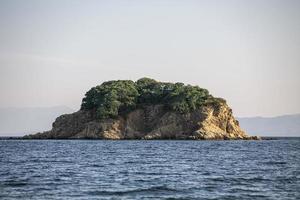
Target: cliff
(147,109)
(150,122)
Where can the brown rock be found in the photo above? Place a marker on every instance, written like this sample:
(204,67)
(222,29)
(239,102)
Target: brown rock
(209,122)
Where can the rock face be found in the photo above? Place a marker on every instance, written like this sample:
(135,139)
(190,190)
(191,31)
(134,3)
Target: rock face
(209,122)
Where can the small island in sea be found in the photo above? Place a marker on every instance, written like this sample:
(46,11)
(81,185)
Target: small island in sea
(147,109)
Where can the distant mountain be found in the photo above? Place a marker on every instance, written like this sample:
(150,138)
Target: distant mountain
(286,125)
(21,121)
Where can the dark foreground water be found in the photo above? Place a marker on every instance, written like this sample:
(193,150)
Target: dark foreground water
(84,169)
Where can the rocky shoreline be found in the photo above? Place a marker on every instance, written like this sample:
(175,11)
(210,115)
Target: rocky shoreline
(147,109)
(211,122)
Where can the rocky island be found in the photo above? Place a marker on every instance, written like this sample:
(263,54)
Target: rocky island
(147,109)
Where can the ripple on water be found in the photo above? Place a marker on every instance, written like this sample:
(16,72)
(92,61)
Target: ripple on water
(81,169)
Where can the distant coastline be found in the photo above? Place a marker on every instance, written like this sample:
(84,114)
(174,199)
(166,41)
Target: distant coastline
(17,122)
(22,138)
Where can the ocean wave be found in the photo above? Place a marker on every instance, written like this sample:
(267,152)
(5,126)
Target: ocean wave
(154,189)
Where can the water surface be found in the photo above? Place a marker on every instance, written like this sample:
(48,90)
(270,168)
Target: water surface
(96,169)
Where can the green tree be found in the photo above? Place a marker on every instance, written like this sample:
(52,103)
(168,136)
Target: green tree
(113,98)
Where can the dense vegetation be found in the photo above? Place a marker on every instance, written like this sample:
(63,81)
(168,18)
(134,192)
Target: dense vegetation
(113,98)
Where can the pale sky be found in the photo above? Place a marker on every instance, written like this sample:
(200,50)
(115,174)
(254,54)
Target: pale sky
(248,52)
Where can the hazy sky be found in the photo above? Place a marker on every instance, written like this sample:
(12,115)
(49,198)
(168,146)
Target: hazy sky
(248,52)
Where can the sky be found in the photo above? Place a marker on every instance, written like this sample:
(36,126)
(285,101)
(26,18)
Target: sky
(248,52)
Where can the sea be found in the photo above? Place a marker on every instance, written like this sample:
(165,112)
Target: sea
(150,169)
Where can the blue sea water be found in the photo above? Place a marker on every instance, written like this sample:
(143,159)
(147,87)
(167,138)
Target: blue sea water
(97,169)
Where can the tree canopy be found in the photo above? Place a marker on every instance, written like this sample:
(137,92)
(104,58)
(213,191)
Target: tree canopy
(113,98)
